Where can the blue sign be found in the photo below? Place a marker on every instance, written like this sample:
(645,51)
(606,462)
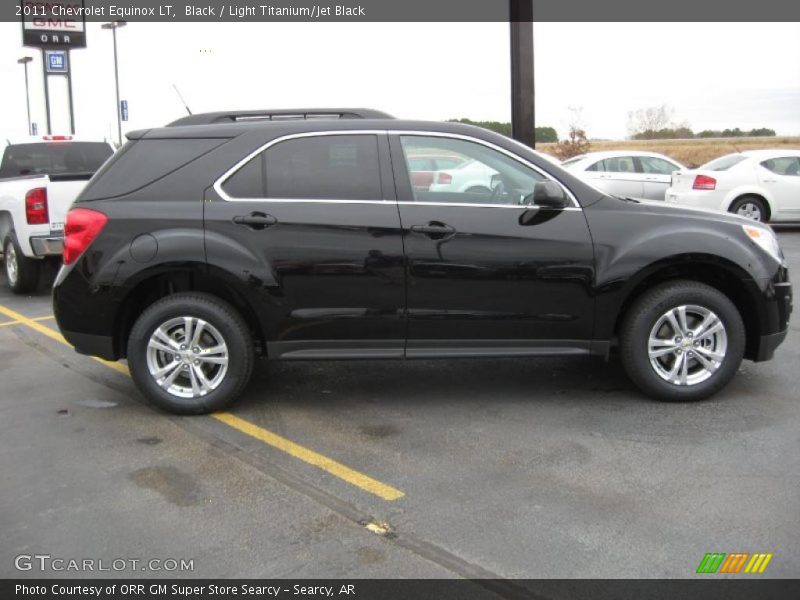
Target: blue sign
(34,129)
(57,61)
(123,109)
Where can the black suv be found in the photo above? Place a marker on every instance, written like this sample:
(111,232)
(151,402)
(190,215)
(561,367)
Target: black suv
(326,234)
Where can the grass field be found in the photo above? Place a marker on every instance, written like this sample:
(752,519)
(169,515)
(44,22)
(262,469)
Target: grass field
(691,153)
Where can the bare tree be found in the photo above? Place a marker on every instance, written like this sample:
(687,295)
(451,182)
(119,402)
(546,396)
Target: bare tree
(652,118)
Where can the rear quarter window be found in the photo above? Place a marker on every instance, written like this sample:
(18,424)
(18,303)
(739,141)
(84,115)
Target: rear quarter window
(143,162)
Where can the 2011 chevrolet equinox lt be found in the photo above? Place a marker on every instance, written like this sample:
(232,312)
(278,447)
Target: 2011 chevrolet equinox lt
(299,235)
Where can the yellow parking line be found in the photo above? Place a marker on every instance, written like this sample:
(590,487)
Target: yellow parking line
(337,469)
(329,465)
(10,323)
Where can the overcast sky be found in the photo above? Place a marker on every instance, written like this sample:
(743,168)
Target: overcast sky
(714,75)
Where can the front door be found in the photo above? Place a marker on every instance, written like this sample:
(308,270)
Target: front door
(310,224)
(487,272)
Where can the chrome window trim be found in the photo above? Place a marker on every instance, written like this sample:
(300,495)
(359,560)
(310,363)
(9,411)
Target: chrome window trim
(377,132)
(230,172)
(519,159)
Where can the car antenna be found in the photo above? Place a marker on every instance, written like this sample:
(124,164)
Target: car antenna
(186,106)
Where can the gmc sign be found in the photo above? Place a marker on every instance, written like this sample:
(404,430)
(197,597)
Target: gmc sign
(53,23)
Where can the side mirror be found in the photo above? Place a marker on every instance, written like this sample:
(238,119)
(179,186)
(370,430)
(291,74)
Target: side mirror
(550,194)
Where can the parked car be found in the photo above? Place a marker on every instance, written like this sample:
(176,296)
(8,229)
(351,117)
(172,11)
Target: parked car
(422,168)
(471,177)
(762,185)
(39,179)
(205,244)
(638,175)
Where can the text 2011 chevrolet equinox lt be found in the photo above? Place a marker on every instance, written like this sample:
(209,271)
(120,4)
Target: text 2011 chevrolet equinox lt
(297,235)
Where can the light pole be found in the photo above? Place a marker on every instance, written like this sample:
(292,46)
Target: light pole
(113,26)
(24,62)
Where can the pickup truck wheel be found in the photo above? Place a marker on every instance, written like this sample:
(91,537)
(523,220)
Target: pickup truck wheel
(22,273)
(190,353)
(682,341)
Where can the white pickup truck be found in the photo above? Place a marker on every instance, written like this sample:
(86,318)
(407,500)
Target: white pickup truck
(39,179)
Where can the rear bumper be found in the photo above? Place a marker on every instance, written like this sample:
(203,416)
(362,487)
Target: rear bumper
(47,245)
(92,345)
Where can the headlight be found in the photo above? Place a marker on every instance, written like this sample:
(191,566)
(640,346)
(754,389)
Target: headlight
(766,239)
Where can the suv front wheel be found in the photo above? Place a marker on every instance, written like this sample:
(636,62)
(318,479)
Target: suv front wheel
(682,341)
(190,353)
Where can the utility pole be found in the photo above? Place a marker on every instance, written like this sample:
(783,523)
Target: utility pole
(113,26)
(523,120)
(24,62)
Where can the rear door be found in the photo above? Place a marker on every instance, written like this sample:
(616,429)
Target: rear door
(314,219)
(620,177)
(657,176)
(488,272)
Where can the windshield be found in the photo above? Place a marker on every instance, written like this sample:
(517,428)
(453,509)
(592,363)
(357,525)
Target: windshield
(55,158)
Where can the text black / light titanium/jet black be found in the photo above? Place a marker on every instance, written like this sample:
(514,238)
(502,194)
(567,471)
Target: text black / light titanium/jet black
(346,234)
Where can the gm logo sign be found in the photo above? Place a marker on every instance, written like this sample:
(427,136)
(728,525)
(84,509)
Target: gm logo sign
(719,562)
(57,61)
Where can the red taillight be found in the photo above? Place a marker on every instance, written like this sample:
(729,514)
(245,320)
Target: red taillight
(36,206)
(704,182)
(443,177)
(57,138)
(81,228)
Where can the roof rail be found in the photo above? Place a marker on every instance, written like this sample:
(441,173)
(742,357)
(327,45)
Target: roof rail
(279,115)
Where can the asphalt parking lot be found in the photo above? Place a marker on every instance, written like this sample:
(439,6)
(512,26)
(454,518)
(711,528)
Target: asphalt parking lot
(479,468)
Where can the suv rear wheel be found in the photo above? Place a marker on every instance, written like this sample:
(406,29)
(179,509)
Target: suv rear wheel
(682,341)
(190,353)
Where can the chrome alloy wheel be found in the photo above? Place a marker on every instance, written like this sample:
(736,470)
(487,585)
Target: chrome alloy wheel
(749,210)
(12,269)
(187,357)
(687,344)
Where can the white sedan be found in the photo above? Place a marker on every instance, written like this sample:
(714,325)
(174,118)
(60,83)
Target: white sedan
(639,175)
(763,185)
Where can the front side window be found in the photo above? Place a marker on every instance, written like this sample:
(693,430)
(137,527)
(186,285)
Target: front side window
(325,167)
(482,175)
(785,165)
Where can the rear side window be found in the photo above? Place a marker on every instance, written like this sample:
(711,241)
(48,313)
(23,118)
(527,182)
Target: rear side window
(333,167)
(54,158)
(142,162)
(723,163)
(248,181)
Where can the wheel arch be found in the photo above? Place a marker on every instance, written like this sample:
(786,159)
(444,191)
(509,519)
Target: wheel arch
(749,191)
(153,284)
(716,271)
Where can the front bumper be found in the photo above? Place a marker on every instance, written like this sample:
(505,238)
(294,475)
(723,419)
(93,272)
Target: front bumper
(779,310)
(47,245)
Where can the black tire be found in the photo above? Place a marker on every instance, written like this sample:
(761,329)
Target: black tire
(643,316)
(755,204)
(226,322)
(22,274)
